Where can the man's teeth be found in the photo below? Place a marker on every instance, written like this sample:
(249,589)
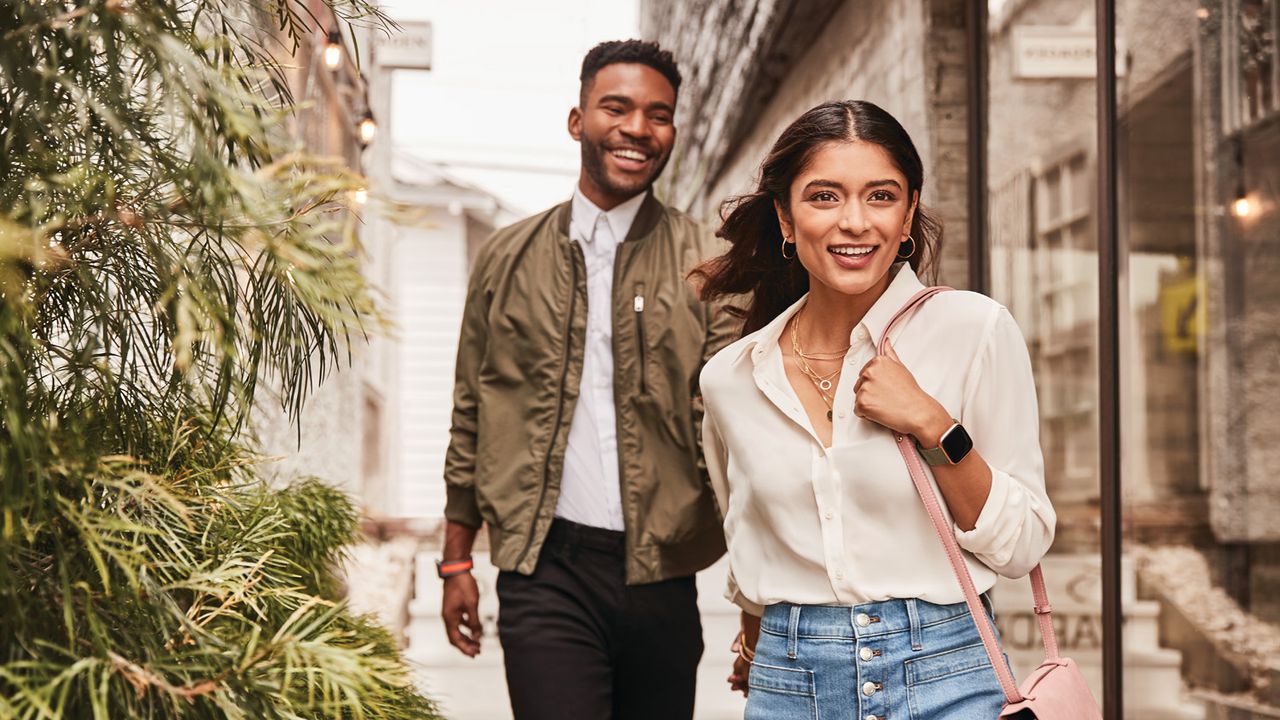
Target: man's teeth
(630,155)
(853,251)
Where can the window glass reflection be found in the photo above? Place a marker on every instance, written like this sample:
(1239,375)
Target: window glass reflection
(1199,131)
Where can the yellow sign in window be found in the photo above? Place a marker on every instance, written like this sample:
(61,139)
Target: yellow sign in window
(1182,315)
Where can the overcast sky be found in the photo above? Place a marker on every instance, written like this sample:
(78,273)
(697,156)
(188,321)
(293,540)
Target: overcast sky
(504,75)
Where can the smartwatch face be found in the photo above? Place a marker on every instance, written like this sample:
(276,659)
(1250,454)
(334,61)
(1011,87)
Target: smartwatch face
(956,444)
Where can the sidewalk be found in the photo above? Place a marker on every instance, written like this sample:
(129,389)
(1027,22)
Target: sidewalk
(475,689)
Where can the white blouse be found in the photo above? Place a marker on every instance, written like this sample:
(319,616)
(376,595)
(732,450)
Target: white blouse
(843,525)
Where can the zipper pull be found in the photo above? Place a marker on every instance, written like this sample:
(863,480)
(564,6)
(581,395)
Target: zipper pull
(638,304)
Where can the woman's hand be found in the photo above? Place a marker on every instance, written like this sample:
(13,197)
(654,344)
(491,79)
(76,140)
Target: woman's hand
(738,678)
(887,393)
(744,647)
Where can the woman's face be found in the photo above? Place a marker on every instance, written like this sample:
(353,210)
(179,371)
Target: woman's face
(849,212)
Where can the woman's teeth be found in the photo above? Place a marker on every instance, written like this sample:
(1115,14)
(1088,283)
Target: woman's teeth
(852,251)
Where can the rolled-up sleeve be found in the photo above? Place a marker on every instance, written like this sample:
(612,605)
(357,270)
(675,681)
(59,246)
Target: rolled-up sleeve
(1000,412)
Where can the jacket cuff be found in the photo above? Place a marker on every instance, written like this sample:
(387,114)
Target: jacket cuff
(460,506)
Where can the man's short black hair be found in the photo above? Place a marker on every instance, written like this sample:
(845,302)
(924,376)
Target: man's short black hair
(641,52)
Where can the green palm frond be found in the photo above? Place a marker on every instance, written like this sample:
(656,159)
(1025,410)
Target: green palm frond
(167,249)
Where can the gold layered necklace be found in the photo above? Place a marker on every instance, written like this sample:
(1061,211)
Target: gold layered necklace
(822,383)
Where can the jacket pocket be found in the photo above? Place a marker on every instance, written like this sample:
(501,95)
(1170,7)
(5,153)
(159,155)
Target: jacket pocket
(637,305)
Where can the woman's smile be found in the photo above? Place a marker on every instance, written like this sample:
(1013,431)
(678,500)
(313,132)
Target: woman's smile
(853,257)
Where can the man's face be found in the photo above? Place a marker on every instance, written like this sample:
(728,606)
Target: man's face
(626,132)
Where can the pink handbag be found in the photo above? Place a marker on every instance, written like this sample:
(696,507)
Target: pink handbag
(1056,690)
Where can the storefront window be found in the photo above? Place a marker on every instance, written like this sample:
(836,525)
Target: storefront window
(1043,230)
(1199,169)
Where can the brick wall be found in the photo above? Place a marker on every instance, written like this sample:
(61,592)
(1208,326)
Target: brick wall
(908,56)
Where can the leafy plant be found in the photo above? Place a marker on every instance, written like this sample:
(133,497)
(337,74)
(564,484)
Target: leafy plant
(166,249)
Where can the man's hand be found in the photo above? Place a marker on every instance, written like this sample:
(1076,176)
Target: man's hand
(461,609)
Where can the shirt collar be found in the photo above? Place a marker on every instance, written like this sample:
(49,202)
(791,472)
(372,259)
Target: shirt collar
(620,218)
(902,288)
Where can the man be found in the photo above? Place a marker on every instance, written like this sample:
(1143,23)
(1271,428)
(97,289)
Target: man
(575,434)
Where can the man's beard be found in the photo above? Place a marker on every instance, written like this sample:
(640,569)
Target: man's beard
(593,162)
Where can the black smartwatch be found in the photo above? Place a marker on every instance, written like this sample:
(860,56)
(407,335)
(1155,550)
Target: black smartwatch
(952,448)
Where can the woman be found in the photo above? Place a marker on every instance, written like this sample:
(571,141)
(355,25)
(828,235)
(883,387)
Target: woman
(828,540)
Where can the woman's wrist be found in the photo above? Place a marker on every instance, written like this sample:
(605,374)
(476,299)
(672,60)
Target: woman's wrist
(929,430)
(746,650)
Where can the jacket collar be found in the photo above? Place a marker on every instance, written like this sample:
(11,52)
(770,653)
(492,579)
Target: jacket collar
(647,217)
(902,288)
(585,214)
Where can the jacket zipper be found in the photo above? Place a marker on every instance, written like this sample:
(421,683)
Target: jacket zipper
(638,306)
(564,374)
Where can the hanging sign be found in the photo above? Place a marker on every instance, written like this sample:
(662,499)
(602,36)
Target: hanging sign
(1058,52)
(408,48)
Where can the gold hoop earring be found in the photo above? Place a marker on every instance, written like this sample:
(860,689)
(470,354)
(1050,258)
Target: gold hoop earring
(785,256)
(913,249)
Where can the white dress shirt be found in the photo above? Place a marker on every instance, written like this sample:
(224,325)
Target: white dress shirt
(843,525)
(590,493)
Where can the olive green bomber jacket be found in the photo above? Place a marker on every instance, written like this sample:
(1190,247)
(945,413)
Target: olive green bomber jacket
(519,366)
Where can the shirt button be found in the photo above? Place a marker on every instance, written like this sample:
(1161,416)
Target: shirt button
(866,654)
(839,574)
(828,515)
(862,619)
(869,688)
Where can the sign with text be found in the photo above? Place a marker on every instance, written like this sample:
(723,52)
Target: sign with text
(409,48)
(1058,52)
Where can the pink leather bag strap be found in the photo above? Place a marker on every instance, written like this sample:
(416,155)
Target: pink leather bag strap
(946,534)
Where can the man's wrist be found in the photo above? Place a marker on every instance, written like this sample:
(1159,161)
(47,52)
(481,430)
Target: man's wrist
(453,568)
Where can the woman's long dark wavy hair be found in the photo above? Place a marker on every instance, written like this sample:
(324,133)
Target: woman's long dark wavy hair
(754,265)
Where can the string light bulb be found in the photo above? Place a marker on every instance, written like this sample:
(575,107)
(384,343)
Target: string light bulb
(368,127)
(1241,207)
(333,50)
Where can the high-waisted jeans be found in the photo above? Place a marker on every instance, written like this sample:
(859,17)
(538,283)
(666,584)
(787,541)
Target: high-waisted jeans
(892,660)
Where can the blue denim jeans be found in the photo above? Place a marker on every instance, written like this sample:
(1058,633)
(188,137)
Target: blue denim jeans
(892,660)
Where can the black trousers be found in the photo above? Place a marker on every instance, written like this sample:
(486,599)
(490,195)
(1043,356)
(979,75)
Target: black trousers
(580,644)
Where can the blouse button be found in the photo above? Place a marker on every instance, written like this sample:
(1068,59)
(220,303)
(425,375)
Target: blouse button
(829,515)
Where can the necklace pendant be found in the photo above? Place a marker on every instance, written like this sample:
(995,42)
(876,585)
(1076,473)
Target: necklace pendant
(828,414)
(825,384)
